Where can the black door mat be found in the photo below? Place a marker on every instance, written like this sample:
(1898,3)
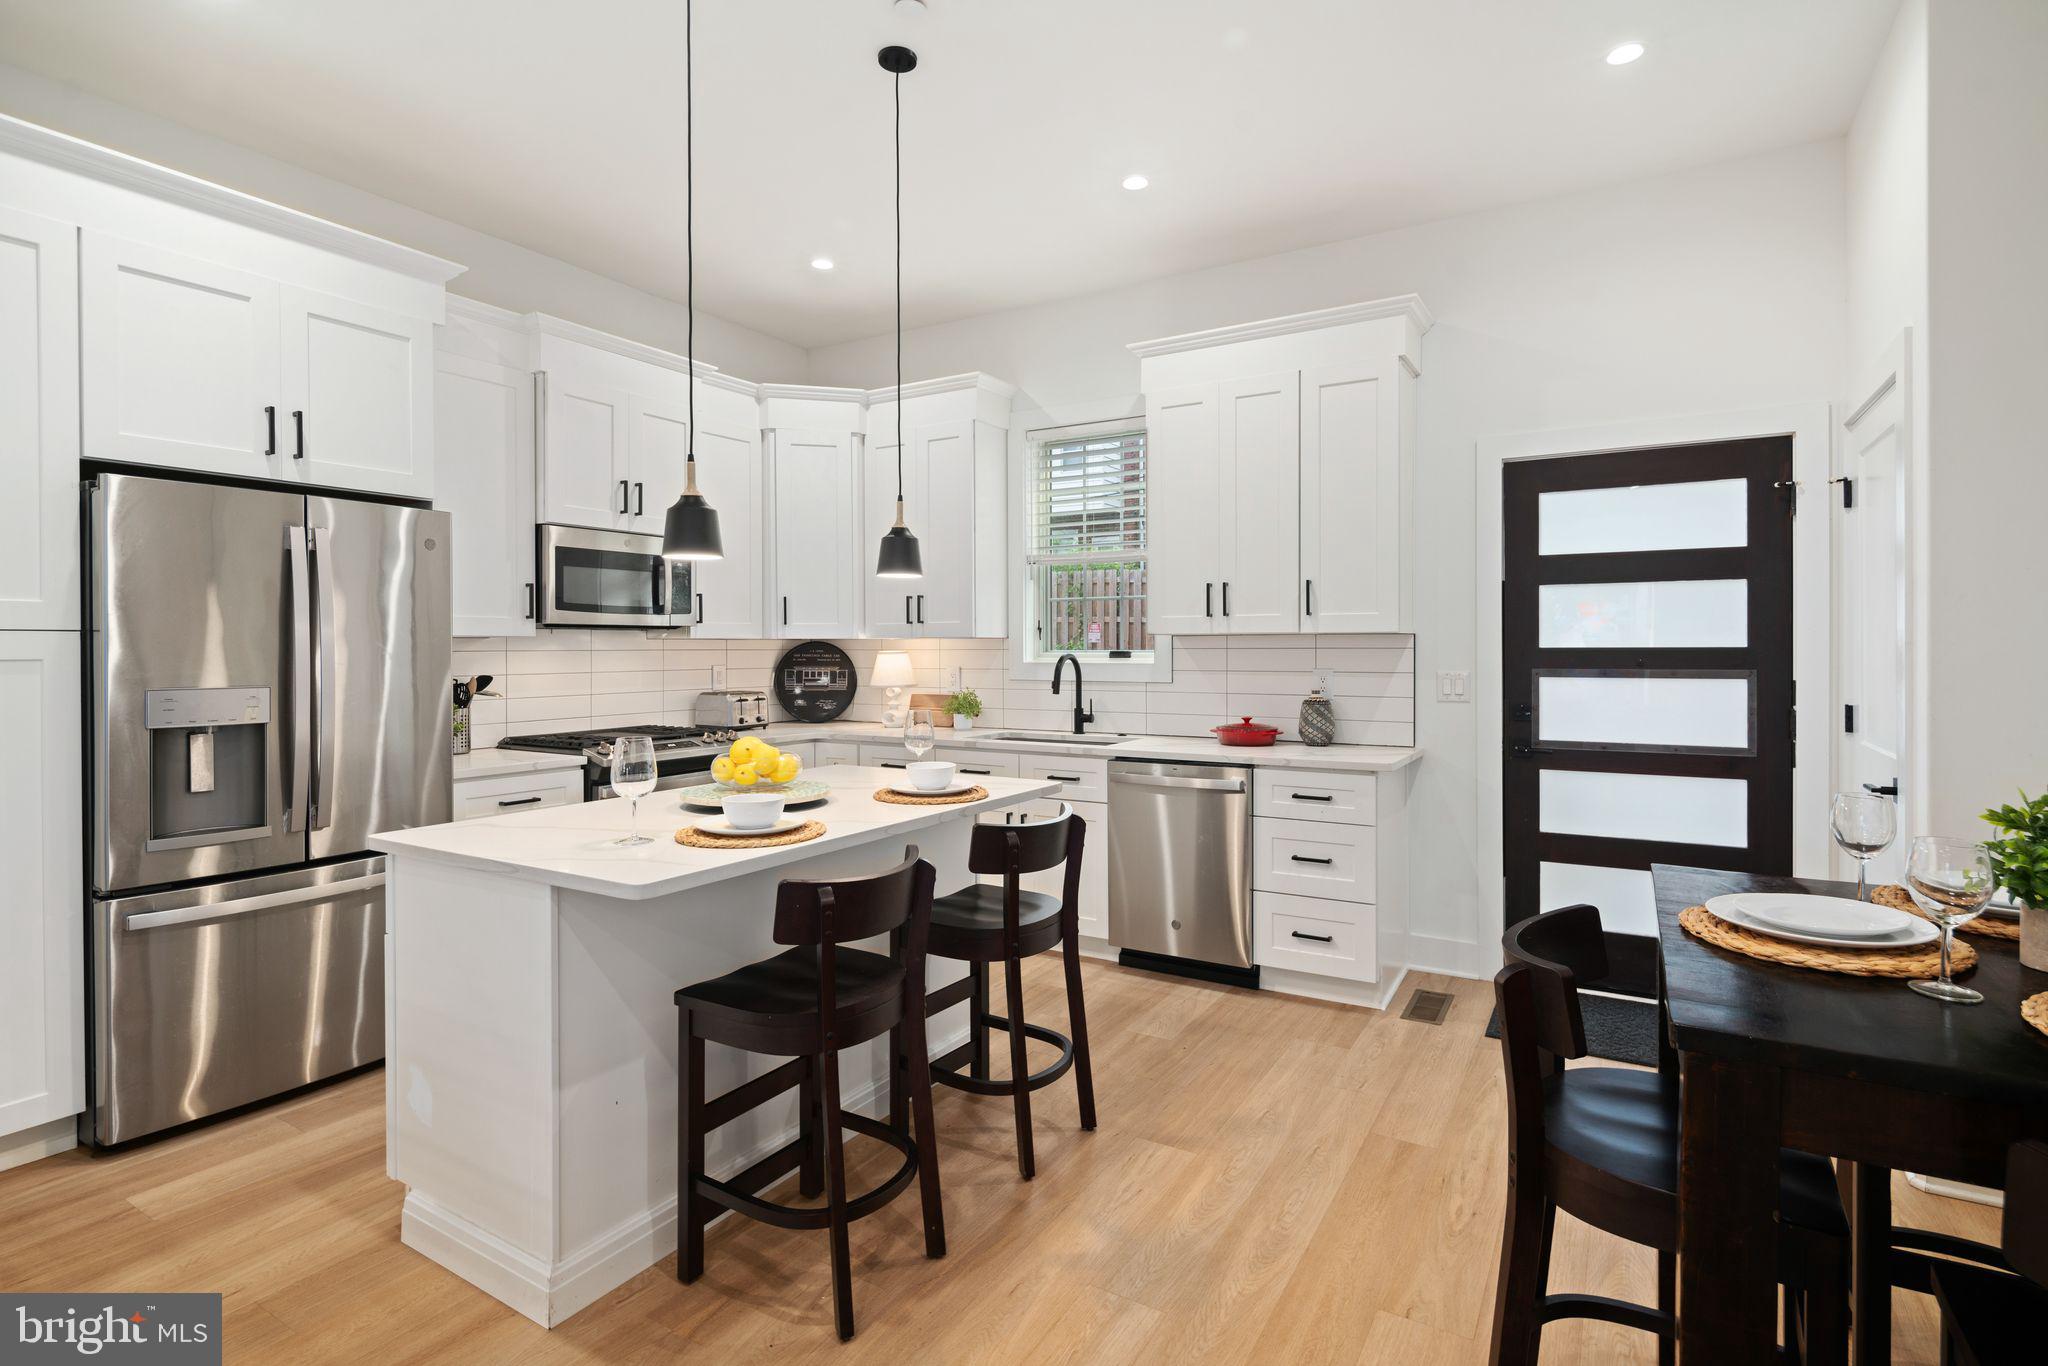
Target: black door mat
(1618,1030)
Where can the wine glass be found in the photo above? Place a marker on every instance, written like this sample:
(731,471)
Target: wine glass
(1950,880)
(634,775)
(1864,825)
(917,736)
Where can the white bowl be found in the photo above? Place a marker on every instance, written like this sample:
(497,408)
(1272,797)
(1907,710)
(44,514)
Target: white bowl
(753,810)
(933,775)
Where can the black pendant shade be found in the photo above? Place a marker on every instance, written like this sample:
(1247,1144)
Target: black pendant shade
(691,531)
(899,558)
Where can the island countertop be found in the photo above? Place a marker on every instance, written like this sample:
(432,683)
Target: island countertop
(567,846)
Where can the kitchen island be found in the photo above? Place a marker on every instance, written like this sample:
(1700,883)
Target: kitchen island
(531,968)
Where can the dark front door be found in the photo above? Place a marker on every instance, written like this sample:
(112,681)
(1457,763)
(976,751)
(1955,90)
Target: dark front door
(1646,644)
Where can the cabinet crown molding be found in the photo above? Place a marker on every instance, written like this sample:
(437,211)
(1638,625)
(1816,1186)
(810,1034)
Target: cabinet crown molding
(945,384)
(1408,306)
(52,148)
(822,392)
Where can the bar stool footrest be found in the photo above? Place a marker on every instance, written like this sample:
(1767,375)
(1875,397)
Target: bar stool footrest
(943,1074)
(1608,1310)
(736,1196)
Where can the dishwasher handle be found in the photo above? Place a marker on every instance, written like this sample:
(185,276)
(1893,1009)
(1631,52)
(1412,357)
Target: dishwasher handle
(1180,784)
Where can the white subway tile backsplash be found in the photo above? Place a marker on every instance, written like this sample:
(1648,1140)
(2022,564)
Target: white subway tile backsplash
(593,678)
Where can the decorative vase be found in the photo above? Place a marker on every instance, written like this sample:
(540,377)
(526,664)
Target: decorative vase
(2034,936)
(963,722)
(1318,719)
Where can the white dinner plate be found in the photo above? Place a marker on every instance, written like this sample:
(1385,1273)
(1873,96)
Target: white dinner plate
(1822,920)
(719,825)
(906,790)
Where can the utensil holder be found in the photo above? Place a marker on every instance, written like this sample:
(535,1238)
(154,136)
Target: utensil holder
(458,734)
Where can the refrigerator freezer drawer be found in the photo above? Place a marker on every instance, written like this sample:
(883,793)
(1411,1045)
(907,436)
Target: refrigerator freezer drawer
(213,997)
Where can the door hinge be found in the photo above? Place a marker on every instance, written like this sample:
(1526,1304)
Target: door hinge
(1848,718)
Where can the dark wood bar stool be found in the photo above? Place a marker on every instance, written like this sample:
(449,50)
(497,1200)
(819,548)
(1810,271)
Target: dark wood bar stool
(1989,1318)
(1601,1143)
(809,1003)
(985,924)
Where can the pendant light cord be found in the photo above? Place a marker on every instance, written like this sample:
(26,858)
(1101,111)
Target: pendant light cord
(899,296)
(690,230)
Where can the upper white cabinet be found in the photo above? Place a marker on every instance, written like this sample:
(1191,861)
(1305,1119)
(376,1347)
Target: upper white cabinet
(483,419)
(1278,472)
(953,433)
(811,444)
(584,477)
(359,385)
(726,592)
(38,423)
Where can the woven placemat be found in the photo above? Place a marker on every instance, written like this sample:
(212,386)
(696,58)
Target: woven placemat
(697,839)
(1989,926)
(972,794)
(2034,1010)
(1922,960)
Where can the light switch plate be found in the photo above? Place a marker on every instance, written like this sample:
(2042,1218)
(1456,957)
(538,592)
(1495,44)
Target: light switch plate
(1453,685)
(717,676)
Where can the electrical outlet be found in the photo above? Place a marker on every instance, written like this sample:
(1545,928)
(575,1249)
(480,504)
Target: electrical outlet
(1453,685)
(953,678)
(717,676)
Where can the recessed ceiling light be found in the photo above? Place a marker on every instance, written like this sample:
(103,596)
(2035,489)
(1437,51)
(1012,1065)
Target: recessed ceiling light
(1135,182)
(821,263)
(1624,54)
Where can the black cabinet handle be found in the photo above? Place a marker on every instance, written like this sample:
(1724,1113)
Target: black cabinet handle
(299,433)
(625,496)
(785,609)
(270,422)
(1313,938)
(1308,595)
(700,609)
(1312,797)
(1226,597)
(920,609)
(888,764)
(639,499)
(906,611)
(1064,777)
(1303,858)
(1890,789)
(1208,599)
(529,602)
(519,801)
(981,772)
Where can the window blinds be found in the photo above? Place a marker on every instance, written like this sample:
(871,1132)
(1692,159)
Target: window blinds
(1087,500)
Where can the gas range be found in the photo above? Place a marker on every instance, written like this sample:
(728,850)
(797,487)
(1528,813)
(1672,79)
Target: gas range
(682,754)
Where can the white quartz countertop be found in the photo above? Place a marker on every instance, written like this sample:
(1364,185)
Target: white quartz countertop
(568,846)
(492,763)
(1185,748)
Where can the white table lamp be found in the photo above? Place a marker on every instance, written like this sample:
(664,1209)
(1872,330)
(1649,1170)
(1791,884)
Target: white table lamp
(893,671)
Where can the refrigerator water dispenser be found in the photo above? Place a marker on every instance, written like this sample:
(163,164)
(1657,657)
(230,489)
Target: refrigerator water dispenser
(208,773)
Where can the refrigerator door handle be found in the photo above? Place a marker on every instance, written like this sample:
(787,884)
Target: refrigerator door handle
(298,735)
(222,910)
(321,793)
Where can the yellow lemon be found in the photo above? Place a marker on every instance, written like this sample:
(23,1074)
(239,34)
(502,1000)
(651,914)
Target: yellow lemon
(766,755)
(742,749)
(786,768)
(746,775)
(721,769)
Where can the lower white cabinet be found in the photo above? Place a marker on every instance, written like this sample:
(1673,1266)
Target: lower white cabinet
(838,754)
(501,794)
(979,763)
(1315,934)
(1312,858)
(1094,908)
(42,971)
(483,422)
(1081,780)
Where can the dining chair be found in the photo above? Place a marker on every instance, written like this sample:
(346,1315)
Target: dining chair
(1601,1143)
(1989,1318)
(808,1003)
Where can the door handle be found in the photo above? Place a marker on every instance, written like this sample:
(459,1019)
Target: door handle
(299,739)
(321,789)
(1314,938)
(639,499)
(700,609)
(1208,599)
(220,910)
(980,772)
(299,433)
(890,764)
(529,602)
(1064,777)
(1179,784)
(1303,858)
(1527,751)
(625,502)
(906,611)
(519,801)
(270,424)
(1308,597)
(920,609)
(785,609)
(1226,597)
(1311,797)
(1890,789)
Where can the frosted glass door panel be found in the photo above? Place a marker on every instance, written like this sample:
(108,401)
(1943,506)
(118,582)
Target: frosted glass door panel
(1644,806)
(1645,712)
(1682,614)
(1638,517)
(1627,897)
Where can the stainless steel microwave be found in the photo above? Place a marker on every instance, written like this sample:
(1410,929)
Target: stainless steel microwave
(609,578)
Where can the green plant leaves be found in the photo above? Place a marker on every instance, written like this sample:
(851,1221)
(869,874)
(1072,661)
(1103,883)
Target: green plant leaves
(2019,857)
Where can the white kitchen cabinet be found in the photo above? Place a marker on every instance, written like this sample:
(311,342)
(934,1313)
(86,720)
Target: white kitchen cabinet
(179,362)
(814,588)
(503,794)
(42,973)
(838,754)
(1278,473)
(1093,910)
(358,383)
(38,423)
(483,419)
(584,476)
(726,593)
(657,450)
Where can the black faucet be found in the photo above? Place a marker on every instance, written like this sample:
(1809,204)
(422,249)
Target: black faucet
(1082,715)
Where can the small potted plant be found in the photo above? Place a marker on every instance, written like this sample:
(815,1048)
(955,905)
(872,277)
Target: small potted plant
(2019,860)
(963,707)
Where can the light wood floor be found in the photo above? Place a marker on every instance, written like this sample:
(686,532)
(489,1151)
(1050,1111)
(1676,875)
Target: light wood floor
(1274,1181)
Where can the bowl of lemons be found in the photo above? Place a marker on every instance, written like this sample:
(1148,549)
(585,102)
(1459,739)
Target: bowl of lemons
(754,764)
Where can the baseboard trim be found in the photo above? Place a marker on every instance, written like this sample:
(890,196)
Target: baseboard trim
(1451,958)
(1339,991)
(34,1144)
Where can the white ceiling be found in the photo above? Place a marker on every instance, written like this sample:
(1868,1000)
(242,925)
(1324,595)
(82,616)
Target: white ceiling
(1265,125)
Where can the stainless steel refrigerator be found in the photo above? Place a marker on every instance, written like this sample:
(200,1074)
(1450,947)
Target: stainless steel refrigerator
(269,679)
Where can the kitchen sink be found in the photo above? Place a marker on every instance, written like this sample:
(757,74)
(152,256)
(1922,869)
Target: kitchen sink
(1053,738)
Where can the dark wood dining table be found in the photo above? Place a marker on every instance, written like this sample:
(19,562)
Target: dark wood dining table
(1861,1069)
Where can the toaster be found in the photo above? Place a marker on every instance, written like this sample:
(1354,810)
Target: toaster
(732,708)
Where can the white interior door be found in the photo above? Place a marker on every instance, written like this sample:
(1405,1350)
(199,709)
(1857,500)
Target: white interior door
(1259,426)
(178,362)
(359,388)
(483,438)
(817,562)
(583,469)
(1870,579)
(38,423)
(1184,553)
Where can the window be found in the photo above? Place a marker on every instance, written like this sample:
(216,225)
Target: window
(1085,545)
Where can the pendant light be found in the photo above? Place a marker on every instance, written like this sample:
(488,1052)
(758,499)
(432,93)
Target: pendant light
(691,530)
(899,558)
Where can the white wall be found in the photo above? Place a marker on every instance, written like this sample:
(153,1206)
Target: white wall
(1715,289)
(499,272)
(1987,638)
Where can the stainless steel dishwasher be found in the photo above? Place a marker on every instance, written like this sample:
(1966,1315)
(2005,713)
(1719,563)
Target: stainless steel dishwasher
(1180,868)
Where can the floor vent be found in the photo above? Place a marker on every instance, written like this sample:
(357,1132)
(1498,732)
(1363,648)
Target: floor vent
(1430,1007)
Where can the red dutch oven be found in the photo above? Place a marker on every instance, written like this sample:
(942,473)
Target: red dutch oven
(1247,732)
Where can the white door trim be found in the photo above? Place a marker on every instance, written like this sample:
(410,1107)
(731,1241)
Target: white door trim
(1811,427)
